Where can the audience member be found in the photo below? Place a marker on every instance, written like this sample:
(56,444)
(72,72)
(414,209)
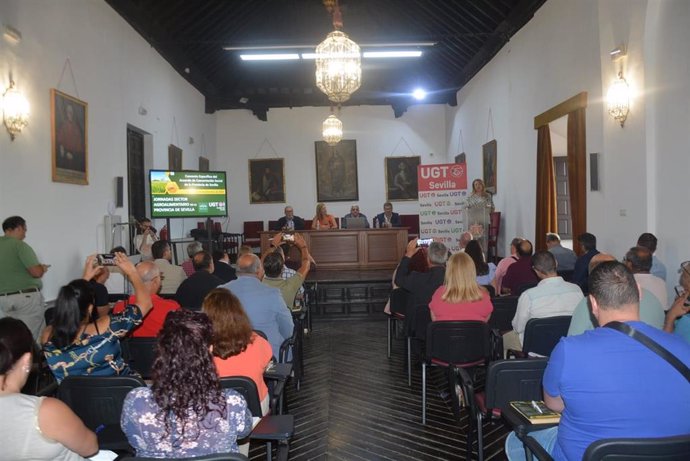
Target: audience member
(244,250)
(504,264)
(192,291)
(184,413)
(465,238)
(153,322)
(649,241)
(594,379)
(422,285)
(520,273)
(192,249)
(460,297)
(588,246)
(552,297)
(418,263)
(74,345)
(289,222)
(565,257)
(639,261)
(101,301)
(20,277)
(274,263)
(387,218)
(264,305)
(237,349)
(486,272)
(35,428)
(322,220)
(117,283)
(171,275)
(222,268)
(145,238)
(651,310)
(677,321)
(354,213)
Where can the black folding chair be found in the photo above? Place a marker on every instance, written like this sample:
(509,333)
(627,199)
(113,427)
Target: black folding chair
(506,381)
(139,354)
(398,305)
(504,311)
(98,400)
(542,335)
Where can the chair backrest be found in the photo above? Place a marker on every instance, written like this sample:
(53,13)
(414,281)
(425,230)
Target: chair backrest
(490,289)
(213,457)
(657,449)
(246,388)
(524,287)
(457,342)
(97,400)
(411,221)
(567,275)
(494,224)
(542,335)
(139,354)
(399,299)
(307,224)
(504,312)
(273,224)
(252,228)
(516,379)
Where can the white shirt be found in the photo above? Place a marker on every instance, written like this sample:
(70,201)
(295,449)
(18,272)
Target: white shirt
(553,296)
(655,285)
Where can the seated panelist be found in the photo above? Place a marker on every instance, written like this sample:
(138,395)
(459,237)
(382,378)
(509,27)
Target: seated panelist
(322,220)
(289,221)
(354,213)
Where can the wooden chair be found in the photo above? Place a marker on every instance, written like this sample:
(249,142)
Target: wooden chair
(492,241)
(250,233)
(411,221)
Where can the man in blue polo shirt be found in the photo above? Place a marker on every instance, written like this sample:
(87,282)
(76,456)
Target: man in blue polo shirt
(607,384)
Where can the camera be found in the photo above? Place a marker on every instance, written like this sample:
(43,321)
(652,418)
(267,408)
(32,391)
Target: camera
(107,259)
(424,242)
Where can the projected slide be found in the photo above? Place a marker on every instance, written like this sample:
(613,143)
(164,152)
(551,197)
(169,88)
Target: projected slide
(184,194)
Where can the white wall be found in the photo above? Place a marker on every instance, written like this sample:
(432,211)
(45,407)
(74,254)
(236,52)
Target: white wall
(115,71)
(292,132)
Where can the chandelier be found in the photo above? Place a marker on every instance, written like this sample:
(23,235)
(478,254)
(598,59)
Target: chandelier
(618,99)
(332,130)
(338,61)
(15,110)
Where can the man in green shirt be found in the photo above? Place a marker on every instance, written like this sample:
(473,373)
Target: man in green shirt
(20,277)
(273,267)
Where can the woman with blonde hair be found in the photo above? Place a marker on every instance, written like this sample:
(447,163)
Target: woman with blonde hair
(460,297)
(322,220)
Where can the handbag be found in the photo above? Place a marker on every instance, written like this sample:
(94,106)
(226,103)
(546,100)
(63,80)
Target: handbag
(652,345)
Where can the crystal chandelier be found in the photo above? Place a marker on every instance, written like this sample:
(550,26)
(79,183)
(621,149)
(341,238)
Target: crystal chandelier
(338,61)
(618,99)
(332,130)
(15,110)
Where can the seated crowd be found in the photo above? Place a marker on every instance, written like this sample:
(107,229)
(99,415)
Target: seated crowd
(215,323)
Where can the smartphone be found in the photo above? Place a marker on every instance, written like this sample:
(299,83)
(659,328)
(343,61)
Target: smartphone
(105,259)
(424,242)
(679,291)
(288,238)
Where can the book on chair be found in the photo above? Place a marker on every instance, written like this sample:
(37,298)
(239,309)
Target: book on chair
(536,412)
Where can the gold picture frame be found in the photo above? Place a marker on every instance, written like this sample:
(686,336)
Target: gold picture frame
(336,171)
(70,138)
(174,158)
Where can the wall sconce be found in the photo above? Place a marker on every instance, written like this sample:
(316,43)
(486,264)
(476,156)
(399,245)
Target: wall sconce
(618,99)
(15,110)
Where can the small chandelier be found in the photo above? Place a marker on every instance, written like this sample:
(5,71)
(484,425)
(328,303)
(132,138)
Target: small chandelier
(618,99)
(338,61)
(15,110)
(332,130)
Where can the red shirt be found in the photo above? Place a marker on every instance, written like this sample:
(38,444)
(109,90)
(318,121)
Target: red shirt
(474,310)
(250,363)
(153,322)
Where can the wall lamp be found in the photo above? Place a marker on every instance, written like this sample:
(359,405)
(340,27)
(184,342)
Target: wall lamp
(15,110)
(618,96)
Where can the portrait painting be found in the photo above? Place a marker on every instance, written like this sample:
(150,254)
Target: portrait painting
(174,158)
(266,181)
(203,164)
(336,171)
(461,158)
(489,166)
(401,178)
(69,133)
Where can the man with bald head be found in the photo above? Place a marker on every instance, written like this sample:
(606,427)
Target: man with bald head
(651,310)
(264,305)
(153,322)
(289,221)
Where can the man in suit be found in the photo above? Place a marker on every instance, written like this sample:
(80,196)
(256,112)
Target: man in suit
(192,291)
(222,268)
(289,221)
(588,245)
(387,218)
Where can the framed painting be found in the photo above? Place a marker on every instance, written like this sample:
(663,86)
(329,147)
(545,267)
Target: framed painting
(461,158)
(489,166)
(267,181)
(174,158)
(203,164)
(336,171)
(70,138)
(401,178)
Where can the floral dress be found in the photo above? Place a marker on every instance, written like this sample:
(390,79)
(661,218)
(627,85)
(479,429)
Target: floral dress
(95,355)
(145,428)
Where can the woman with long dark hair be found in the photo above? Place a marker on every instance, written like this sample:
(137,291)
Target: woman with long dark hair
(37,428)
(485,271)
(185,412)
(74,344)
